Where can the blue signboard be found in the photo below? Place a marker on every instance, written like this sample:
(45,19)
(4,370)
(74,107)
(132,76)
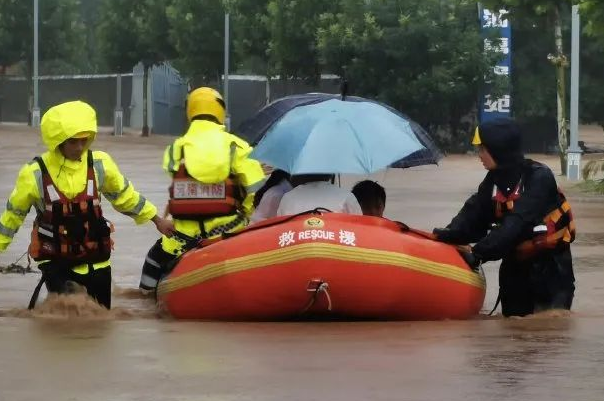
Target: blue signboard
(491,108)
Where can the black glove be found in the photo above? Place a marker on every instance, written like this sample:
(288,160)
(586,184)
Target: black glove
(444,235)
(471,259)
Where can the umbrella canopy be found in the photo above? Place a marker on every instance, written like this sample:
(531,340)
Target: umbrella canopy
(319,133)
(257,127)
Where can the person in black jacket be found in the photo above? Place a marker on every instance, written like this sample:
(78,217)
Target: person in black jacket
(518,215)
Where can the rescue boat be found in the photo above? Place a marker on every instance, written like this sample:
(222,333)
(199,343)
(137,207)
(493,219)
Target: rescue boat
(325,265)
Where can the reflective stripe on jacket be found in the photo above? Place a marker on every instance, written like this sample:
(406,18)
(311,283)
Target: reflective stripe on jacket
(71,180)
(213,155)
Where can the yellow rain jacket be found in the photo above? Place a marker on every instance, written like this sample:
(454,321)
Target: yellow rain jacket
(59,124)
(211,155)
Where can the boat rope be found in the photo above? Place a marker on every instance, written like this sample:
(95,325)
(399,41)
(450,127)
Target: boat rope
(15,267)
(317,287)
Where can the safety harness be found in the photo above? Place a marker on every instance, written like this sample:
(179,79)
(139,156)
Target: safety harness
(71,230)
(557,228)
(191,199)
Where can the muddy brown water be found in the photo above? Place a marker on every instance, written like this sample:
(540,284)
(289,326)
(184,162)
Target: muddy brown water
(68,348)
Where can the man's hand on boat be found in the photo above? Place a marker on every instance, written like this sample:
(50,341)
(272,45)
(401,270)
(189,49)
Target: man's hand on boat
(445,235)
(469,257)
(164,226)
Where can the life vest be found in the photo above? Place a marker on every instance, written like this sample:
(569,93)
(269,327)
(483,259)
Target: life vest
(71,230)
(191,199)
(557,230)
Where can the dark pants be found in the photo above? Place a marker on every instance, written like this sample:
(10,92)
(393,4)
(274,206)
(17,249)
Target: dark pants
(97,282)
(157,264)
(538,284)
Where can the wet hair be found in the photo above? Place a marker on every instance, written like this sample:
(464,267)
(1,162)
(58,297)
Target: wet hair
(276,177)
(369,194)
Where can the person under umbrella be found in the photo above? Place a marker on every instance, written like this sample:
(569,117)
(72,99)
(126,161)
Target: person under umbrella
(313,191)
(268,197)
(371,197)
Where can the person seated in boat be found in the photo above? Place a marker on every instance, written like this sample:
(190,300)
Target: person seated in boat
(371,196)
(268,197)
(312,191)
(519,215)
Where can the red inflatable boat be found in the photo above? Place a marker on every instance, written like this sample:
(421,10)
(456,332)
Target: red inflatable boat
(323,265)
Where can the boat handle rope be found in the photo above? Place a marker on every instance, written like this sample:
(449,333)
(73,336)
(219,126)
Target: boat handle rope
(15,267)
(317,287)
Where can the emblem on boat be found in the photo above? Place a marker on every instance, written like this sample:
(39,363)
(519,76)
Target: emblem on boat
(314,222)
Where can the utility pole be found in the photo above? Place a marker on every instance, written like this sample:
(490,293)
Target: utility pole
(227,120)
(573,166)
(118,113)
(35,111)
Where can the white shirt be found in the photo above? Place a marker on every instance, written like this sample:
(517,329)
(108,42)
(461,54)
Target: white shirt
(318,194)
(269,203)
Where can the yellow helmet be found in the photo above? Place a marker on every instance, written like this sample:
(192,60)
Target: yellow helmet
(206,101)
(476,140)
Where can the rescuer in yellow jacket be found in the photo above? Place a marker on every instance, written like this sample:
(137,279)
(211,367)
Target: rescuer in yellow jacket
(71,238)
(213,183)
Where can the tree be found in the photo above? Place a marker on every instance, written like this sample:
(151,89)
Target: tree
(592,62)
(592,14)
(421,56)
(60,32)
(89,11)
(132,32)
(197,31)
(592,65)
(60,36)
(251,36)
(553,12)
(293,25)
(592,81)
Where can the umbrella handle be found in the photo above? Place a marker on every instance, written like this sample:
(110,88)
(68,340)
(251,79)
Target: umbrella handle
(344,84)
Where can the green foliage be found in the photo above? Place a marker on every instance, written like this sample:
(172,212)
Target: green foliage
(345,37)
(421,56)
(89,15)
(533,77)
(250,35)
(61,34)
(591,94)
(133,31)
(592,12)
(592,62)
(197,31)
(292,25)
(524,7)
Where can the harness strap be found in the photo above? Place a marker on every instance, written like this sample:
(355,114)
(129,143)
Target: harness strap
(496,303)
(36,294)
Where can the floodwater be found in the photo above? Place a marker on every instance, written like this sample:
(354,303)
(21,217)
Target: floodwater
(70,349)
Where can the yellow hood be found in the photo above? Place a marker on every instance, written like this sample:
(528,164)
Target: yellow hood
(208,151)
(65,121)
